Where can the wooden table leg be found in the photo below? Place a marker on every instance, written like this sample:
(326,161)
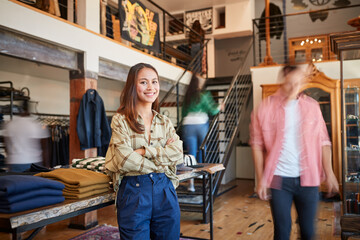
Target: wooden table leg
(85,221)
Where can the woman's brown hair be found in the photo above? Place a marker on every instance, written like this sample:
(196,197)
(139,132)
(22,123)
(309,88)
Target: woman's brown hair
(128,98)
(193,92)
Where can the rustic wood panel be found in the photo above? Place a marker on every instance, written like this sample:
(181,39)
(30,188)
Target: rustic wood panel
(24,47)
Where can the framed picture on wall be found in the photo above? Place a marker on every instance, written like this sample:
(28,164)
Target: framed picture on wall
(205,17)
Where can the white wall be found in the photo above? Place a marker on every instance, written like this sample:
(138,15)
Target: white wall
(230,55)
(50,86)
(53,96)
(110,91)
(238,19)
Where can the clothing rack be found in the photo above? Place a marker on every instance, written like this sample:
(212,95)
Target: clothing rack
(53,119)
(57,146)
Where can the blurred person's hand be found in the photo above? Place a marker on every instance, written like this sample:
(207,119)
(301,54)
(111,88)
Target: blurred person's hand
(332,185)
(222,106)
(263,192)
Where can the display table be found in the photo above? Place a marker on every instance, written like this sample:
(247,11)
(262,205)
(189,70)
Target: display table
(208,170)
(16,223)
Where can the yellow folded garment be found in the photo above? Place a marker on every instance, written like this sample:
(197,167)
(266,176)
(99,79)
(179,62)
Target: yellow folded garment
(87,189)
(76,177)
(84,195)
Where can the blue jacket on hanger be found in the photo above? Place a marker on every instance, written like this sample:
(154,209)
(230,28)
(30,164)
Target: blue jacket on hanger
(92,127)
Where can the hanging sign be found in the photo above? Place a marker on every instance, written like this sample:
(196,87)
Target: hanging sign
(203,15)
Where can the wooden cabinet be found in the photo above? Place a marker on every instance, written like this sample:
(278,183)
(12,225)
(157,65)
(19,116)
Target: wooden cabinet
(327,92)
(309,49)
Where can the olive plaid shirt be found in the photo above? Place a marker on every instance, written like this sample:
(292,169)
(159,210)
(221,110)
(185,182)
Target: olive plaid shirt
(121,159)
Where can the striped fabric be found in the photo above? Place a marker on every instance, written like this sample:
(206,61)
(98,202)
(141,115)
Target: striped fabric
(121,160)
(92,163)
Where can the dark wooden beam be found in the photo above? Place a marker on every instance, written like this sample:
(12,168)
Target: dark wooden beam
(344,41)
(28,48)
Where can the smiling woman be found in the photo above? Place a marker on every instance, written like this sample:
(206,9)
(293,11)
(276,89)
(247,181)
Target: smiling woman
(142,157)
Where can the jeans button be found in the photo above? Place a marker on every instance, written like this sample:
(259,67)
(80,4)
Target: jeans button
(137,185)
(151,175)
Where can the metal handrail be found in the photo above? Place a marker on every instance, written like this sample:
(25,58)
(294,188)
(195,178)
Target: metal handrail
(307,12)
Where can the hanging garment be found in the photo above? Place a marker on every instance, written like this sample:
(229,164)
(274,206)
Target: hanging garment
(92,127)
(318,15)
(342,3)
(276,23)
(299,4)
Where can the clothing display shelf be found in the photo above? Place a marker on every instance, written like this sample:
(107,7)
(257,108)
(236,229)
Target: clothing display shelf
(11,95)
(327,92)
(346,46)
(351,147)
(351,136)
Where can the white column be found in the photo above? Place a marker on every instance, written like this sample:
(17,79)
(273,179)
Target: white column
(88,14)
(211,58)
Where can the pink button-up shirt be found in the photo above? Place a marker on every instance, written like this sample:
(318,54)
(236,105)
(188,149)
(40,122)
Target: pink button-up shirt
(267,133)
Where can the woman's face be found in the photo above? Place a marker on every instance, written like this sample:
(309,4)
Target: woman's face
(147,85)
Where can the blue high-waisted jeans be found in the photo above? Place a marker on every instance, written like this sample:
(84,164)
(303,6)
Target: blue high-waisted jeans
(148,208)
(193,135)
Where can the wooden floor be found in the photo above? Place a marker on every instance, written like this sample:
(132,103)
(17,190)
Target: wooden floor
(234,212)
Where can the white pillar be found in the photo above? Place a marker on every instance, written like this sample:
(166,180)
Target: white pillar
(211,58)
(88,14)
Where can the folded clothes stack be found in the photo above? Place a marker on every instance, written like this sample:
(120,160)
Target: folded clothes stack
(79,183)
(25,192)
(94,163)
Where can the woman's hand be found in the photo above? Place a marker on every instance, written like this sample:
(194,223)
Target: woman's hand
(140,151)
(169,141)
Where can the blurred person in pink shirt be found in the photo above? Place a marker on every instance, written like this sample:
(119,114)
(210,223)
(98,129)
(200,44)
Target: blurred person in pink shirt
(292,154)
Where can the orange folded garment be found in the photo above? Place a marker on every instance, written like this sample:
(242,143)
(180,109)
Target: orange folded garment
(76,178)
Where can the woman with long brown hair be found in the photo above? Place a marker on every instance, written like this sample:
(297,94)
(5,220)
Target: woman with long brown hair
(142,157)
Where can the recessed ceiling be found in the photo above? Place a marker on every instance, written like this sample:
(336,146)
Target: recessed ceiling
(186,5)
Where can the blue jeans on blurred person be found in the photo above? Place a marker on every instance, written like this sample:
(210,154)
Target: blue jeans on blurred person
(20,167)
(193,136)
(306,201)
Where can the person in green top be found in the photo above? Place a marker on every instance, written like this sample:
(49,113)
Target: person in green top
(198,104)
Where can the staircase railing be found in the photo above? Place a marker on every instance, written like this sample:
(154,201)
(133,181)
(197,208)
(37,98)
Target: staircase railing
(223,129)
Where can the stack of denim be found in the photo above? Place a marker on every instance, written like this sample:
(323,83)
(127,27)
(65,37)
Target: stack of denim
(25,192)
